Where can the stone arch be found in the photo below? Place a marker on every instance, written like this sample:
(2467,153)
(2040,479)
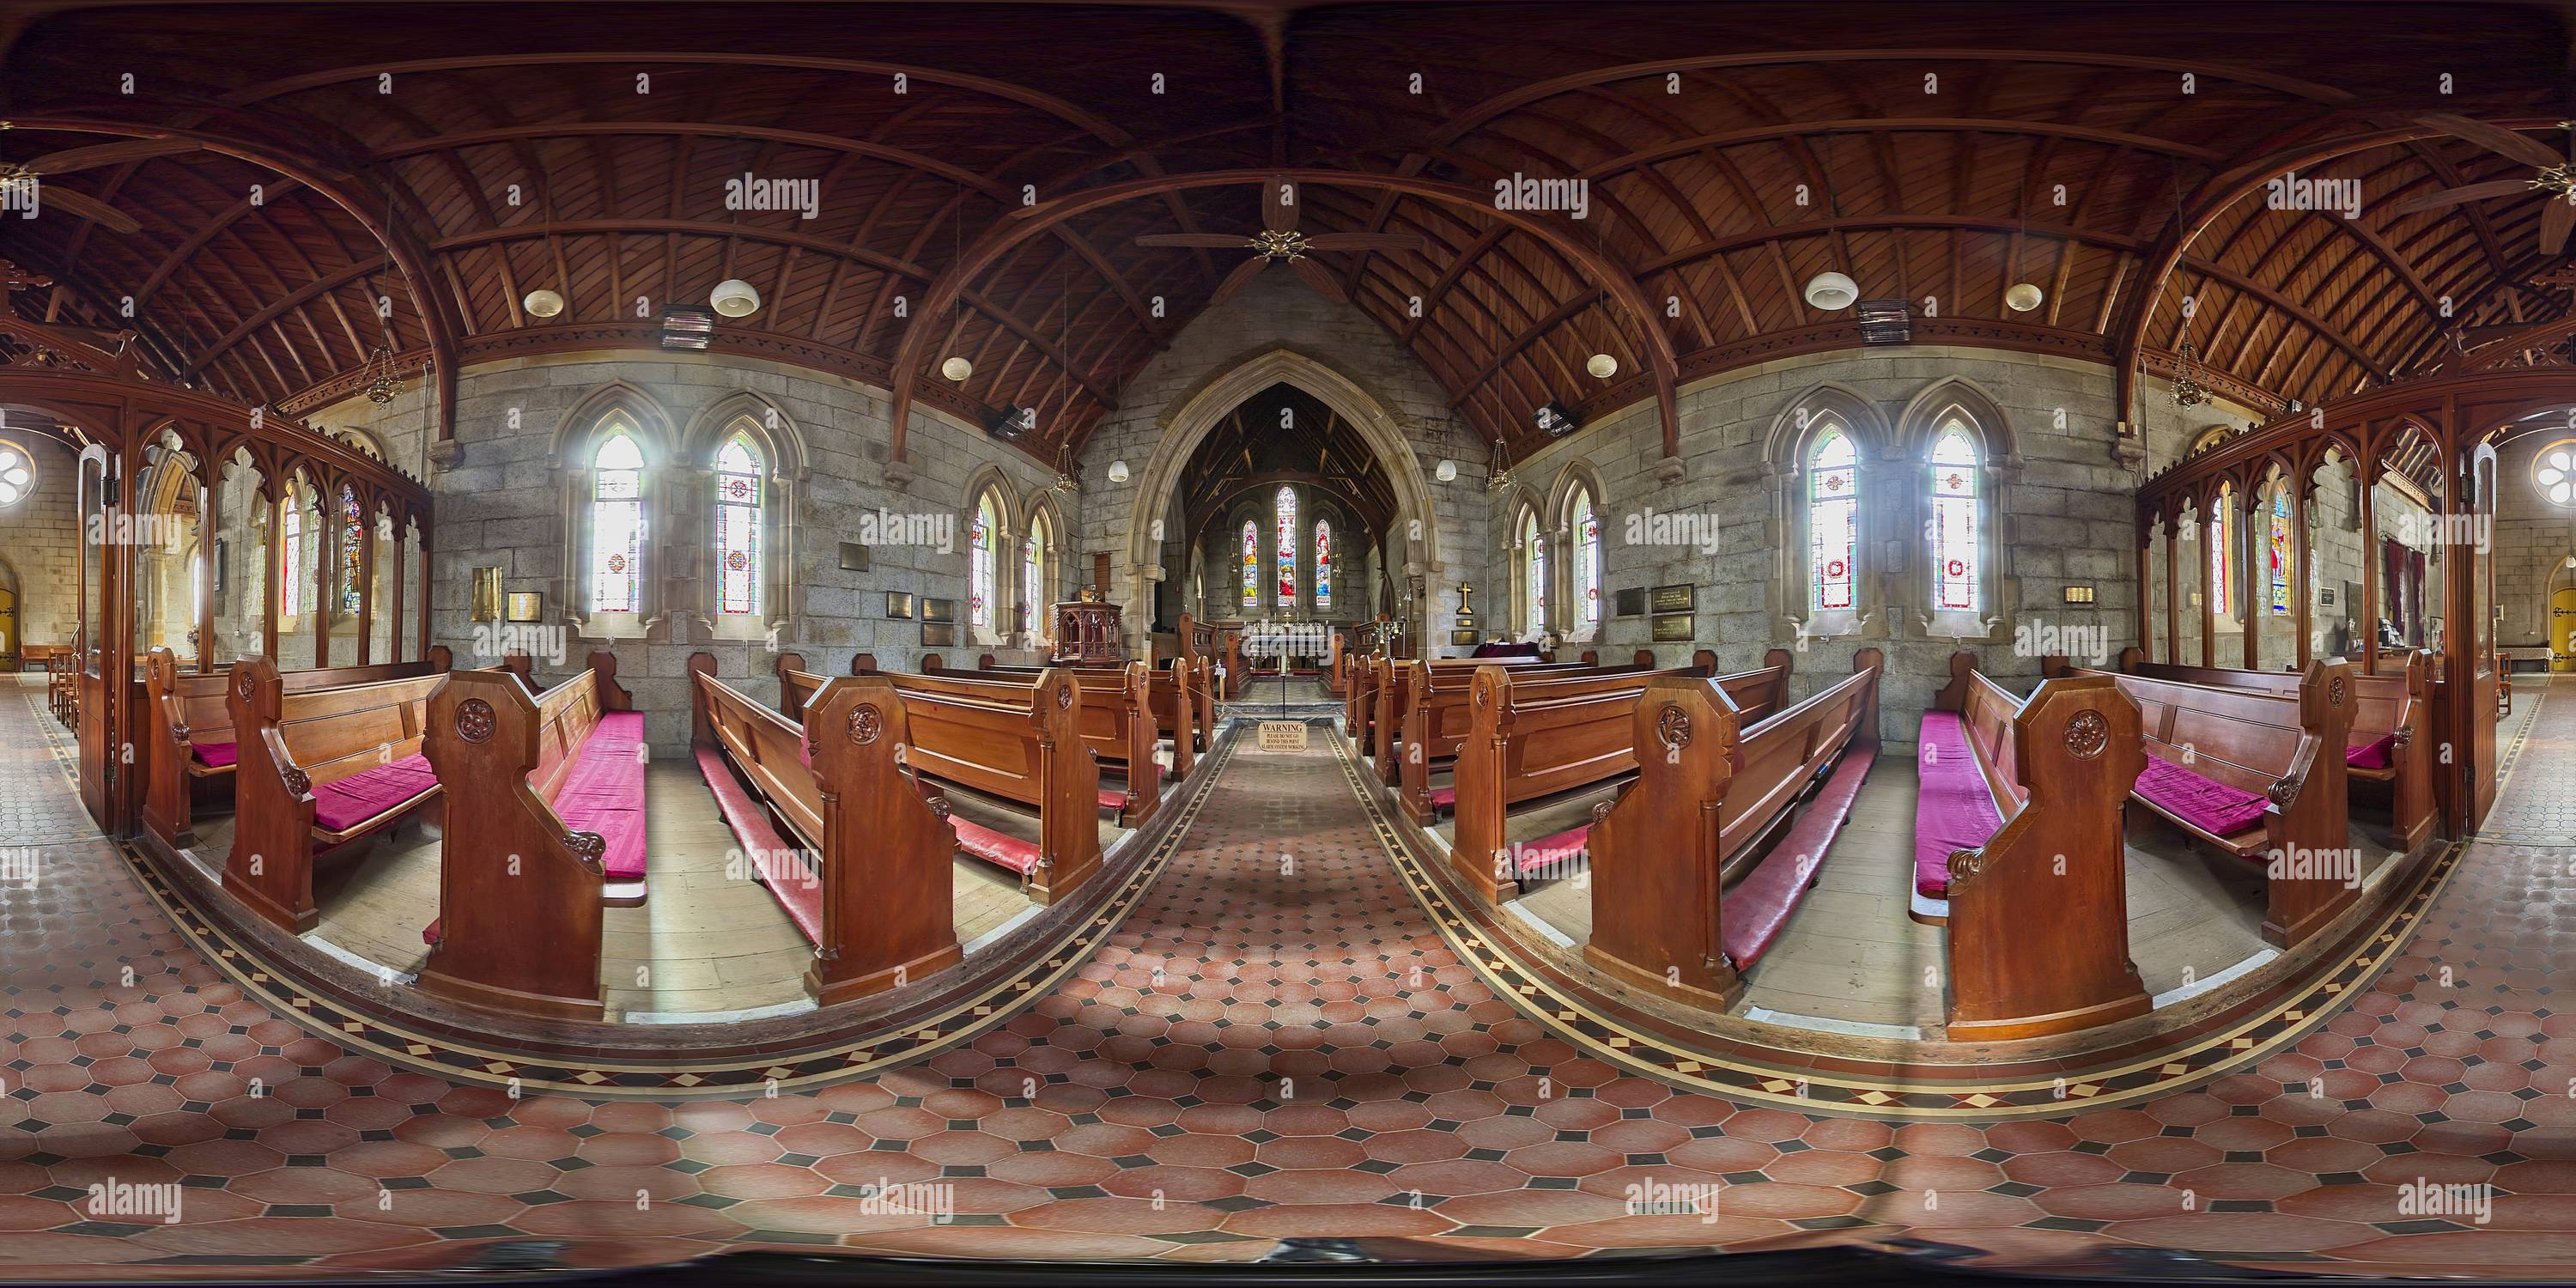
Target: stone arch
(1927,411)
(1784,448)
(1187,423)
(781,439)
(578,431)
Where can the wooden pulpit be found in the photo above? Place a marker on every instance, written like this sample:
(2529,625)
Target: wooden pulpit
(1087,634)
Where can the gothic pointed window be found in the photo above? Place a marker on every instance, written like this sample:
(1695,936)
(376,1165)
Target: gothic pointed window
(617,526)
(1251,567)
(2280,551)
(2220,603)
(1323,565)
(1033,576)
(1533,575)
(290,555)
(981,586)
(1954,521)
(1833,522)
(353,541)
(738,505)
(1587,562)
(1287,511)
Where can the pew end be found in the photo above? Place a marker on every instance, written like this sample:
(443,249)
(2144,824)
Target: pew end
(1656,851)
(273,806)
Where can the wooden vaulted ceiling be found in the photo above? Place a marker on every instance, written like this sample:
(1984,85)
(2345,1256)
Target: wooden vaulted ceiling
(451,158)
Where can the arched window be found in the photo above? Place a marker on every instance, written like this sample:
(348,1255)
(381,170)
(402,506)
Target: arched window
(290,555)
(353,540)
(17,474)
(1251,567)
(1033,579)
(1833,526)
(1533,575)
(738,503)
(1323,565)
(1954,521)
(2220,603)
(1287,510)
(1587,563)
(981,584)
(617,526)
(2280,550)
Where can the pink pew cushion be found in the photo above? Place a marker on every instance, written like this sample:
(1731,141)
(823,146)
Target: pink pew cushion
(214,755)
(1552,855)
(1444,798)
(339,806)
(2372,755)
(785,869)
(604,793)
(2212,806)
(1953,807)
(1113,798)
(993,847)
(1751,917)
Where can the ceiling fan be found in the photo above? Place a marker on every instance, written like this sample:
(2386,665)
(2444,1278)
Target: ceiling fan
(1279,240)
(77,159)
(2557,175)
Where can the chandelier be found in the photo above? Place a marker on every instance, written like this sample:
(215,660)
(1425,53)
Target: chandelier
(2187,392)
(1064,473)
(1502,477)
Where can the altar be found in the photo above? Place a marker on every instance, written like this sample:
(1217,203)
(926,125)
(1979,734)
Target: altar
(1305,645)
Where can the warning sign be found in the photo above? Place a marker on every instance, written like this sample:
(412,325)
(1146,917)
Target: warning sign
(1283,735)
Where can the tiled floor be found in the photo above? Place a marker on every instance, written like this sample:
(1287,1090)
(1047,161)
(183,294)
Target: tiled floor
(1275,1043)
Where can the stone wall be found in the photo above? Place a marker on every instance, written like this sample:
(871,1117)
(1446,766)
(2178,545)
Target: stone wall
(40,540)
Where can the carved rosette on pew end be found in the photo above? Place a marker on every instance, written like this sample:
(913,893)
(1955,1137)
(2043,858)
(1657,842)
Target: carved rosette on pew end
(519,895)
(2038,916)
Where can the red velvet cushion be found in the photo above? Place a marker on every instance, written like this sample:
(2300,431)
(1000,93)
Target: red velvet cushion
(993,847)
(1112,798)
(214,755)
(1552,855)
(1953,807)
(2214,807)
(1444,798)
(1754,913)
(2371,755)
(342,805)
(604,793)
(784,868)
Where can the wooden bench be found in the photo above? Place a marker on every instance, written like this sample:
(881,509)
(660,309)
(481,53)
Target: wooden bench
(1014,738)
(1398,680)
(191,746)
(1436,718)
(2260,776)
(866,874)
(62,688)
(1533,734)
(2390,742)
(1167,695)
(1698,865)
(2018,850)
(317,769)
(556,834)
(41,655)
(1115,720)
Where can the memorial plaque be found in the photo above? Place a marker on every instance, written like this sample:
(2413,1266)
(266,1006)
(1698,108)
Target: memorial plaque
(938,610)
(1673,628)
(1674,599)
(939,635)
(1630,602)
(899,605)
(1462,638)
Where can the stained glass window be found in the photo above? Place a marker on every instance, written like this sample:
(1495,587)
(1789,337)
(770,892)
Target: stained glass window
(1833,521)
(616,526)
(1287,500)
(1587,560)
(738,502)
(980,577)
(1033,558)
(290,554)
(353,540)
(2218,579)
(17,474)
(1954,521)
(1533,575)
(2281,553)
(1251,567)
(1323,565)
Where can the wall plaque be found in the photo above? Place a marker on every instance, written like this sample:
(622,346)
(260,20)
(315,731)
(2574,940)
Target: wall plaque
(854,557)
(1673,628)
(938,610)
(527,606)
(939,635)
(1674,599)
(899,605)
(1462,638)
(1630,602)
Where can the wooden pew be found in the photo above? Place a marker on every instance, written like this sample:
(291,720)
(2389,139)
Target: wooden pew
(2019,851)
(191,744)
(318,769)
(2277,761)
(881,855)
(62,688)
(1169,692)
(1398,679)
(1436,718)
(2390,742)
(1670,914)
(1536,732)
(522,889)
(1012,738)
(1115,720)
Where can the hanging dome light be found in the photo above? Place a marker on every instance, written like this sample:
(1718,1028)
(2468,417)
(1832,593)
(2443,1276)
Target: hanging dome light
(957,369)
(1602,366)
(542,303)
(1832,291)
(735,298)
(2023,297)
(1447,472)
(1118,471)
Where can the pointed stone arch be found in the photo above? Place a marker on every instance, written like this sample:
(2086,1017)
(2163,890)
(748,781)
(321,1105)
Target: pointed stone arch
(578,431)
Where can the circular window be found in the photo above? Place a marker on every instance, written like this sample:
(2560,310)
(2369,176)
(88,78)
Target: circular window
(17,474)
(2553,472)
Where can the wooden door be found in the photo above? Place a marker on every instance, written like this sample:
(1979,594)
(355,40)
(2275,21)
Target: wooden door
(8,631)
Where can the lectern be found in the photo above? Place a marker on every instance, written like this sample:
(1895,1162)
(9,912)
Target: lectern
(1087,634)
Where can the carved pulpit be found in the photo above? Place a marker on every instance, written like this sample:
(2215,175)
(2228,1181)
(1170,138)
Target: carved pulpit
(1088,634)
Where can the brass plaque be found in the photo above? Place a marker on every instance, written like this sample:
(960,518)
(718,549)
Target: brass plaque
(1674,599)
(1673,628)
